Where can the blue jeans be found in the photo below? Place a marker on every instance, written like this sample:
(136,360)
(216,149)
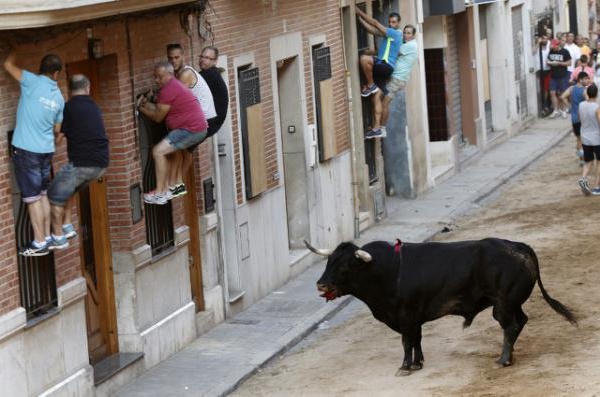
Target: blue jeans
(32,171)
(70,179)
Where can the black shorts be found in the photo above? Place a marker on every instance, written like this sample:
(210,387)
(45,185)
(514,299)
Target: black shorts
(589,152)
(577,129)
(381,74)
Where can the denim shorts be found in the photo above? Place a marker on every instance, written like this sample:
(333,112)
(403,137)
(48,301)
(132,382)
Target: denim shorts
(559,85)
(182,139)
(70,179)
(32,171)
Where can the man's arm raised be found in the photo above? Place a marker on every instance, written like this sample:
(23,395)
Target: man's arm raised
(10,66)
(375,24)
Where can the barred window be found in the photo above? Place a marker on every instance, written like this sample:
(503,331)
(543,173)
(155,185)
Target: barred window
(37,278)
(160,233)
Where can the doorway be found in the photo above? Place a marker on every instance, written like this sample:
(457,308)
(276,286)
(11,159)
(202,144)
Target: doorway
(293,148)
(95,249)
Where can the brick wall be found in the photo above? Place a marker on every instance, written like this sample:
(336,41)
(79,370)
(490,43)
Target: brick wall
(246,26)
(148,36)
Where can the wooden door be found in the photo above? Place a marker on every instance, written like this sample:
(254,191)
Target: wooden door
(95,247)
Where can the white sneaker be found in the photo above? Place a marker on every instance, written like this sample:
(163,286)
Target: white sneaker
(383,132)
(563,114)
(554,114)
(155,198)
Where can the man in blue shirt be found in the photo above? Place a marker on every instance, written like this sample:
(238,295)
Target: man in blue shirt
(378,70)
(39,118)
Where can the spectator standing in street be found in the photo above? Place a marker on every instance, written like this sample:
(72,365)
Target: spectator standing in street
(195,82)
(589,113)
(573,49)
(544,70)
(178,106)
(87,150)
(379,69)
(39,118)
(558,59)
(583,47)
(409,52)
(576,94)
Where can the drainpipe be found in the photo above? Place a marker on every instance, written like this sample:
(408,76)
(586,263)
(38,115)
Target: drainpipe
(355,182)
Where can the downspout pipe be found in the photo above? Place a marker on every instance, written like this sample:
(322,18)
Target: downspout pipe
(355,182)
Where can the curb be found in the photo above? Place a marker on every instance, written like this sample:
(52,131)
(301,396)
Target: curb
(288,341)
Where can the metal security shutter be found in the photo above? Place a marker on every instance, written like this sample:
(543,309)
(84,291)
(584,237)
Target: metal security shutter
(454,76)
(519,57)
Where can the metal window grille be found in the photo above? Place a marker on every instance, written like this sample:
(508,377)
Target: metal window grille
(321,72)
(37,278)
(160,233)
(249,94)
(367,107)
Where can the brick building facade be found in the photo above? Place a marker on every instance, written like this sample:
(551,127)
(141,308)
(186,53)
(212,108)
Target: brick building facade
(139,302)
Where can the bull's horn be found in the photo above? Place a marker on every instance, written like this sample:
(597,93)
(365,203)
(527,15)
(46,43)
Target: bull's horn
(364,255)
(318,251)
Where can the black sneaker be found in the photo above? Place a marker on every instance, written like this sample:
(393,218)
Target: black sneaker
(178,190)
(32,250)
(375,133)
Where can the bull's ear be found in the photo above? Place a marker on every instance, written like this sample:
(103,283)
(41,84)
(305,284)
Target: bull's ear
(364,255)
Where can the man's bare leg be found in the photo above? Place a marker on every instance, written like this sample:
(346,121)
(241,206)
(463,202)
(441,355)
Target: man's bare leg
(58,214)
(47,218)
(36,216)
(385,113)
(175,169)
(366,64)
(377,109)
(162,163)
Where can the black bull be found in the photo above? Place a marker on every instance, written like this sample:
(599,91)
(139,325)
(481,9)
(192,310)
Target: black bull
(423,282)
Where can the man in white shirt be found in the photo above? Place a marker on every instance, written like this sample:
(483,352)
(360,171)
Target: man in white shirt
(543,69)
(573,49)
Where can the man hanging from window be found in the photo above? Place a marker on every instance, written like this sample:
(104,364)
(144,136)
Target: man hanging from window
(378,70)
(409,52)
(177,105)
(39,118)
(196,83)
(87,149)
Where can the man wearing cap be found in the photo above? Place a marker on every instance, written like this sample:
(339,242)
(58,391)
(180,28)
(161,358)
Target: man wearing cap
(559,59)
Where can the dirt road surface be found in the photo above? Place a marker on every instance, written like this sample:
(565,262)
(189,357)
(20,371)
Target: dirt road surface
(542,207)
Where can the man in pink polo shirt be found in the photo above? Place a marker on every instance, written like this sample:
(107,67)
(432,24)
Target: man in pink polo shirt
(187,125)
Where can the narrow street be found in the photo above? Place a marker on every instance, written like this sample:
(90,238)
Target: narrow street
(354,354)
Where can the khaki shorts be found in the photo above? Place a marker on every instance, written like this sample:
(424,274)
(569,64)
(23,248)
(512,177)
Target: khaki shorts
(395,85)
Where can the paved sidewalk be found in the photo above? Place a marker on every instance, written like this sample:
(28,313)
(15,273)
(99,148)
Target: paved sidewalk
(219,361)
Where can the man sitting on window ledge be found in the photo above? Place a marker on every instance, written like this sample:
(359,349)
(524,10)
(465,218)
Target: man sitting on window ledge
(187,126)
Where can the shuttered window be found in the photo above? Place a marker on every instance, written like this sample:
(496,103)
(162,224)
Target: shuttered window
(324,109)
(253,134)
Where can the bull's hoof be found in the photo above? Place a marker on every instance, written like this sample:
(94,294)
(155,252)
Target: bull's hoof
(504,362)
(402,372)
(416,366)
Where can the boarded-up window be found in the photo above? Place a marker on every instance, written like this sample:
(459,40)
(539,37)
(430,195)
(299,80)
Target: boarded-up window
(253,132)
(324,102)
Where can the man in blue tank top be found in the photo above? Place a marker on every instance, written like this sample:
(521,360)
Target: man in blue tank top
(576,94)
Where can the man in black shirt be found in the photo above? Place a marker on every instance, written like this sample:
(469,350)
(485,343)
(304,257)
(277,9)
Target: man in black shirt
(559,59)
(218,88)
(87,149)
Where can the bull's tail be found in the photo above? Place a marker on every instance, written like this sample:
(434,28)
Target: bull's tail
(554,304)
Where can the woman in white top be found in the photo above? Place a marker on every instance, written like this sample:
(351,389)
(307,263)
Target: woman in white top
(589,115)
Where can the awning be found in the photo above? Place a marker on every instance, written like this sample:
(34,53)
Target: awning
(23,14)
